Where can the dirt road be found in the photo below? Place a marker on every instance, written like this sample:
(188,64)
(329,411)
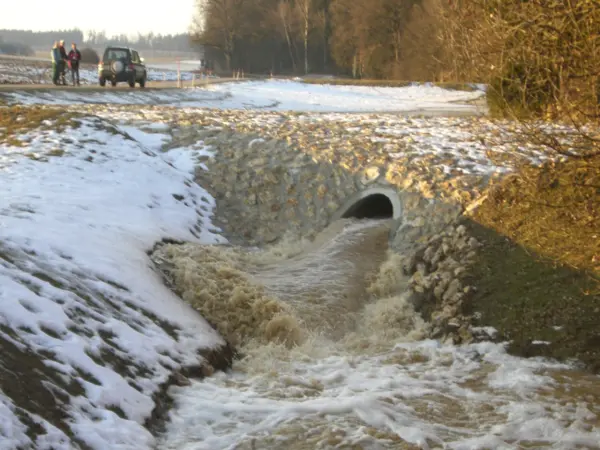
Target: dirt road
(150,85)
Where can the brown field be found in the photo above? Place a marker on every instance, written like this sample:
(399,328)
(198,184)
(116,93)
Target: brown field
(45,54)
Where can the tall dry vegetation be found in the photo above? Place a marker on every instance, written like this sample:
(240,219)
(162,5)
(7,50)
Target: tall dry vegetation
(366,38)
(541,58)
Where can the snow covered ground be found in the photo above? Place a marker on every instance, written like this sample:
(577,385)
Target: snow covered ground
(79,209)
(27,73)
(297,96)
(184,65)
(278,95)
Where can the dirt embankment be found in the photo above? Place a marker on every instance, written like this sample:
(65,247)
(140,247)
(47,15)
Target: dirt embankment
(525,262)
(538,271)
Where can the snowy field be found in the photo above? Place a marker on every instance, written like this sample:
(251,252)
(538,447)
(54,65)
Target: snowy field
(278,96)
(187,65)
(84,201)
(23,73)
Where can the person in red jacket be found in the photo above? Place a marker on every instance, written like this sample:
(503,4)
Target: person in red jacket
(74,58)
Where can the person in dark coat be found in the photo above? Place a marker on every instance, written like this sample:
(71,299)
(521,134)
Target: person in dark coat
(64,58)
(74,58)
(55,56)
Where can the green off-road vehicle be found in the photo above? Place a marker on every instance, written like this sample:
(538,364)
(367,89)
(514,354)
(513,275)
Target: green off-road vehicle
(121,64)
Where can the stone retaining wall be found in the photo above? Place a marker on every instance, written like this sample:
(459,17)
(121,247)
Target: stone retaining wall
(266,188)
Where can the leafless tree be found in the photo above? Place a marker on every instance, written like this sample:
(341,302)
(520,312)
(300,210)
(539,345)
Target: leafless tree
(284,14)
(305,10)
(219,23)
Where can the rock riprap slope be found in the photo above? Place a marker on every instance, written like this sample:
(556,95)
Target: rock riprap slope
(276,172)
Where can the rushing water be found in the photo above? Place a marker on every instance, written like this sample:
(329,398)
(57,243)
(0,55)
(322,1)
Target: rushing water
(334,357)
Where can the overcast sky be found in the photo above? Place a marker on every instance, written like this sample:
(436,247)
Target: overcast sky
(115,17)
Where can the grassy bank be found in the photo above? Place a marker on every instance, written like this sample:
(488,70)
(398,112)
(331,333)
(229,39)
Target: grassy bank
(18,120)
(538,274)
(386,83)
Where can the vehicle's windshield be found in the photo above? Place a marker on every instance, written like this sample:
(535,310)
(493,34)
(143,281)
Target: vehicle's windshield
(115,54)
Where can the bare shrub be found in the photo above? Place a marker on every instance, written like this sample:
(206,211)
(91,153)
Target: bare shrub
(541,59)
(89,55)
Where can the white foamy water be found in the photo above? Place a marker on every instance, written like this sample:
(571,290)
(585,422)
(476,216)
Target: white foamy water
(358,373)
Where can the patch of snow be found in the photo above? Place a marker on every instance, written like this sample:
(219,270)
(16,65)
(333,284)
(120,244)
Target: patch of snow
(12,431)
(254,142)
(186,159)
(490,331)
(278,95)
(153,141)
(281,95)
(157,126)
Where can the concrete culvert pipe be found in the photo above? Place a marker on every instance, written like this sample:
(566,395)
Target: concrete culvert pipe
(374,203)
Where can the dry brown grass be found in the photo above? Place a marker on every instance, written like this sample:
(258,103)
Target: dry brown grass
(538,272)
(553,210)
(384,83)
(18,120)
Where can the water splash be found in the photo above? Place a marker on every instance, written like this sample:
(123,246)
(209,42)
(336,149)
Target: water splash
(334,357)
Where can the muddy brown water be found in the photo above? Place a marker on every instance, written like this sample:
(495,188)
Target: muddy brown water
(361,373)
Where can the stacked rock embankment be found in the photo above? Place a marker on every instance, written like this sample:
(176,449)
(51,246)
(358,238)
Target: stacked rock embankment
(274,173)
(440,282)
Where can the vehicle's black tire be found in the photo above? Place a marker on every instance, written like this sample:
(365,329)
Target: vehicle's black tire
(143,82)
(113,83)
(102,81)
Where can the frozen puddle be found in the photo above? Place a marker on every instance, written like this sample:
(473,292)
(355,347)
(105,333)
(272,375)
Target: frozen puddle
(362,377)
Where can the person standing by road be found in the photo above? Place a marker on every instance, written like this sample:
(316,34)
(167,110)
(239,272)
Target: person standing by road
(63,58)
(74,58)
(55,56)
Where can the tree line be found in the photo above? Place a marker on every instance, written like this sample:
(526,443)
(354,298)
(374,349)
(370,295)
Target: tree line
(538,56)
(32,39)
(149,41)
(14,48)
(24,39)
(363,38)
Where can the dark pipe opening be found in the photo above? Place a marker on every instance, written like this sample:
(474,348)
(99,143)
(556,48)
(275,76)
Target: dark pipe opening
(376,206)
